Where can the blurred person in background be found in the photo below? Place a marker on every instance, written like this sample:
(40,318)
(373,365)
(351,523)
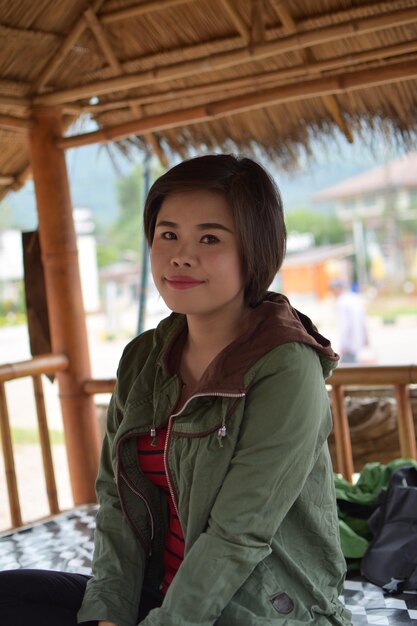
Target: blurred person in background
(352,324)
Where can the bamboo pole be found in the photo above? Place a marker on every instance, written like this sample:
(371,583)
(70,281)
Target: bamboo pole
(14,102)
(140,9)
(101,37)
(48,465)
(405,422)
(63,289)
(15,123)
(231,58)
(93,386)
(138,127)
(52,64)
(9,466)
(42,364)
(5,179)
(341,433)
(308,56)
(378,375)
(237,20)
(360,376)
(258,30)
(247,102)
(253,79)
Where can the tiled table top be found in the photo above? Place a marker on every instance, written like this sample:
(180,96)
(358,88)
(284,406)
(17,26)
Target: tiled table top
(66,543)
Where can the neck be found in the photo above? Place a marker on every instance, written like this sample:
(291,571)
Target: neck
(207,336)
(213,332)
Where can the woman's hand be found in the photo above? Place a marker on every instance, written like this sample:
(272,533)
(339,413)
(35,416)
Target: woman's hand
(105,623)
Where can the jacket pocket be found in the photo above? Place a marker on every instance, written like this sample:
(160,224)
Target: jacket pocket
(259,601)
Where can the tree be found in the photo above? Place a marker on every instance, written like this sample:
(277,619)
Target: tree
(124,238)
(327,229)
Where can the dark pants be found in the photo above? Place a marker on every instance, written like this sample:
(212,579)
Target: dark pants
(47,598)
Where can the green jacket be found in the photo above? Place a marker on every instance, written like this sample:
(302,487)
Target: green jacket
(250,474)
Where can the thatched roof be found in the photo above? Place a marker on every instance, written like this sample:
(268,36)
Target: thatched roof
(181,75)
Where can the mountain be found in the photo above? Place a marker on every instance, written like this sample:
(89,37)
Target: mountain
(93,175)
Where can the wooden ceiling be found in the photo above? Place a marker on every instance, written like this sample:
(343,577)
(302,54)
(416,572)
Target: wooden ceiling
(194,75)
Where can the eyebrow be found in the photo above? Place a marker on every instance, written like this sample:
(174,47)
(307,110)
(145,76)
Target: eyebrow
(204,226)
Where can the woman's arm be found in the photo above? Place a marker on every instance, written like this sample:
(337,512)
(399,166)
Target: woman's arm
(286,421)
(110,594)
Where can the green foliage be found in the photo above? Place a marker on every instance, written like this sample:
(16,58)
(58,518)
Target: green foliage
(27,435)
(124,238)
(326,228)
(13,311)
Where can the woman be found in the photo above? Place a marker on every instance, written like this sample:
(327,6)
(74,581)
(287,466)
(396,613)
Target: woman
(215,484)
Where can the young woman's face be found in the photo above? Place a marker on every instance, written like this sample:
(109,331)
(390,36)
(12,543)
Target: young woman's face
(195,254)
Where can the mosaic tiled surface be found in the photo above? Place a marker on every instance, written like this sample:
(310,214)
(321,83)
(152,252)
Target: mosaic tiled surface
(66,543)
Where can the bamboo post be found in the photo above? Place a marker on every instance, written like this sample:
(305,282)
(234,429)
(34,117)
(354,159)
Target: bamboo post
(65,306)
(341,433)
(406,431)
(48,465)
(9,467)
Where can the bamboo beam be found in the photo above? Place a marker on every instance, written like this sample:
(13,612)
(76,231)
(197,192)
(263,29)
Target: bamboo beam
(238,21)
(330,101)
(245,102)
(52,65)
(15,123)
(117,68)
(64,298)
(231,58)
(14,102)
(48,465)
(378,375)
(101,38)
(255,79)
(141,9)
(332,105)
(6,180)
(8,456)
(284,15)
(257,34)
(157,148)
(93,386)
(42,364)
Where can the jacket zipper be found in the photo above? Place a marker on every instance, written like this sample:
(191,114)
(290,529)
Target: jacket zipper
(168,437)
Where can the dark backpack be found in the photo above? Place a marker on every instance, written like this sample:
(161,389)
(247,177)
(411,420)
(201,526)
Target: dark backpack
(391,558)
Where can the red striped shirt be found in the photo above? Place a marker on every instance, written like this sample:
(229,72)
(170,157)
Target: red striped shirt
(151,462)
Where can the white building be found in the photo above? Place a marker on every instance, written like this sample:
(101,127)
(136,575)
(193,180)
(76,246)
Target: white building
(11,261)
(380,206)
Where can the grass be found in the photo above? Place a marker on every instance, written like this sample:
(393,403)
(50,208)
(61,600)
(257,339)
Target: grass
(28,435)
(391,308)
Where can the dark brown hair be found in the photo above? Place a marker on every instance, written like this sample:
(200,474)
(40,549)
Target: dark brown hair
(256,206)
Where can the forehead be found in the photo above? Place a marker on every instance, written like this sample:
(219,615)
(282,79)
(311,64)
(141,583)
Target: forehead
(200,205)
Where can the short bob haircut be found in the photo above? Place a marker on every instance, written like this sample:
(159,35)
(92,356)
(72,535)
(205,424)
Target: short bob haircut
(256,206)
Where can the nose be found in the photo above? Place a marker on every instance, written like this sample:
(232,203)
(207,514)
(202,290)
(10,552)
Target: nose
(183,257)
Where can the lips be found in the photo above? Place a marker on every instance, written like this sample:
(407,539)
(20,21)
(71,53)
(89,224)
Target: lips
(182,282)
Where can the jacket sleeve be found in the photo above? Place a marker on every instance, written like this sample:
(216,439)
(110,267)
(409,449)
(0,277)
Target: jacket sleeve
(110,594)
(286,421)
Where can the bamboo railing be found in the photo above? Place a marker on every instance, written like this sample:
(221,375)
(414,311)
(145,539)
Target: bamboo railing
(34,368)
(400,377)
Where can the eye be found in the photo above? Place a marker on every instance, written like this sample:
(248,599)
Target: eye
(210,239)
(168,235)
